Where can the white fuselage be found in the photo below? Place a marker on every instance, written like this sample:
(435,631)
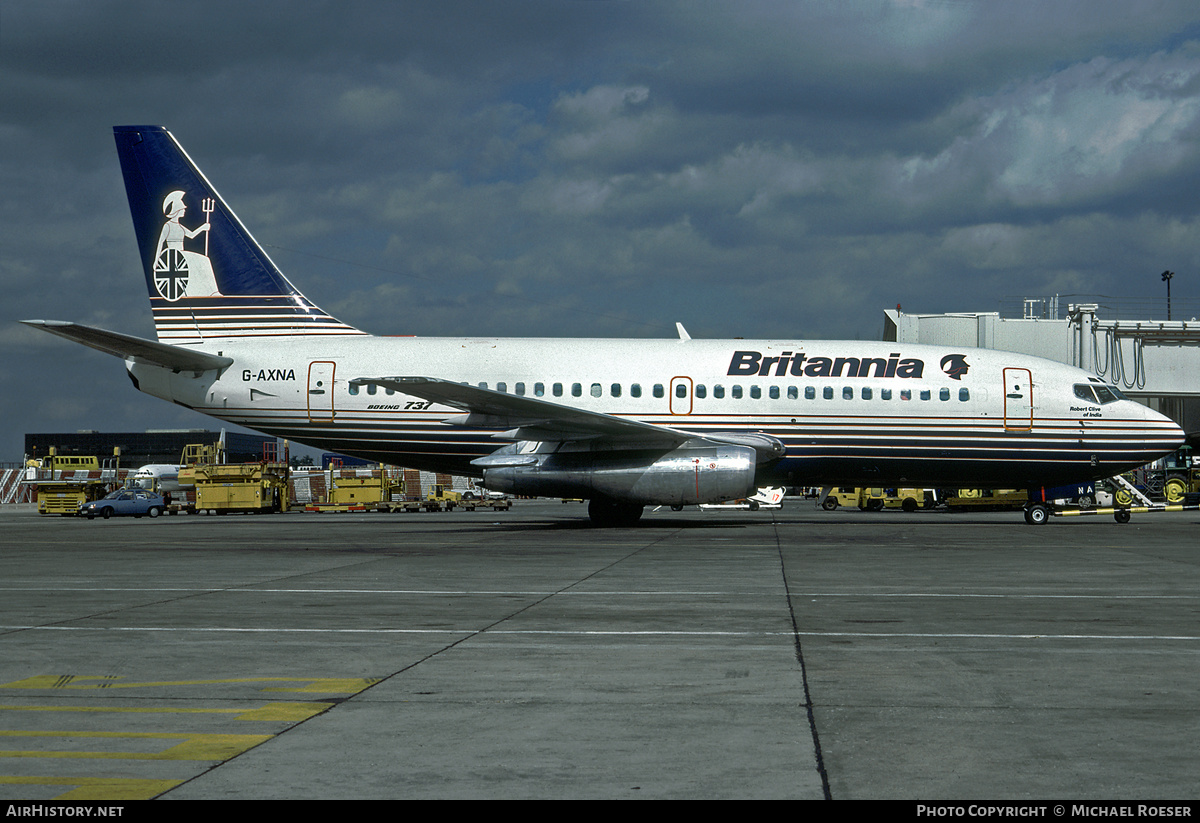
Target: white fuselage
(159,477)
(848,412)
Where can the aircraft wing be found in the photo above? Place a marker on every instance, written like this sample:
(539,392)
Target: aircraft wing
(525,418)
(529,418)
(133,348)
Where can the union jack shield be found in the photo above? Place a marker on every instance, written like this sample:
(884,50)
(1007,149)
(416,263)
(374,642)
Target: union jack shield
(171,274)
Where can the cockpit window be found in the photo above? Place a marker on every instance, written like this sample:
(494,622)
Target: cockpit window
(1100,393)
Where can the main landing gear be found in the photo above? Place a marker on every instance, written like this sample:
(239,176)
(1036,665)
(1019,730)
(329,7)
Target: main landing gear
(604,512)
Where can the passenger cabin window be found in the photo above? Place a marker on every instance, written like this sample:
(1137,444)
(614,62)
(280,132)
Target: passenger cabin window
(577,390)
(718,392)
(943,393)
(701,391)
(964,394)
(635,390)
(658,390)
(615,390)
(539,390)
(557,389)
(755,392)
(735,392)
(596,390)
(810,392)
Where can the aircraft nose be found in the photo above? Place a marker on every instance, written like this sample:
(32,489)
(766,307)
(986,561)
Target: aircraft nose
(1162,433)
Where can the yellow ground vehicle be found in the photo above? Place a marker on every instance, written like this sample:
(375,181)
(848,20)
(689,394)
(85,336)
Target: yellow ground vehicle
(369,487)
(1182,475)
(877,499)
(221,488)
(908,499)
(445,496)
(987,499)
(865,499)
(67,481)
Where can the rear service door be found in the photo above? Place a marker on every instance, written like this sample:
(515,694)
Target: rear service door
(320,391)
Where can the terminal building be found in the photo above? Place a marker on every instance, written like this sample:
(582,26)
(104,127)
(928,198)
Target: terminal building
(153,446)
(1156,362)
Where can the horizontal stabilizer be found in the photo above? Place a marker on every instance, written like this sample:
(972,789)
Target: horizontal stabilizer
(132,348)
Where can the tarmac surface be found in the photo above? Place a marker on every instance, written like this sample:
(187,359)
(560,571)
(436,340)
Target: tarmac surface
(722,654)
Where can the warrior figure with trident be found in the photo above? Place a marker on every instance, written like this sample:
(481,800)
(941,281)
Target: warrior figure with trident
(179,272)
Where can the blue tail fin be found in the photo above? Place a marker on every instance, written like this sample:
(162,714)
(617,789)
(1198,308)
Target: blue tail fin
(206,275)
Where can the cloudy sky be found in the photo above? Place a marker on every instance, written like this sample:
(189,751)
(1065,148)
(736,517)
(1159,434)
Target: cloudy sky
(600,168)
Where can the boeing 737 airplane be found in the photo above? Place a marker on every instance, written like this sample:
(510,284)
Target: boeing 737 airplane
(622,423)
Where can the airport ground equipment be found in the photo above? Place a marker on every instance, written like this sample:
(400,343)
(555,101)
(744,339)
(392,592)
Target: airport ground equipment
(1181,472)
(877,499)
(367,487)
(445,496)
(830,499)
(1172,479)
(987,499)
(221,488)
(1046,503)
(907,499)
(67,482)
(499,504)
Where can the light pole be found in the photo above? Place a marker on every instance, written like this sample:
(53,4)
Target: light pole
(1166,276)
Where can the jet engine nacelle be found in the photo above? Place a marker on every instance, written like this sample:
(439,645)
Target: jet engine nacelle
(692,473)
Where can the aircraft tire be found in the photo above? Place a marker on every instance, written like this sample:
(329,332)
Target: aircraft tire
(606,513)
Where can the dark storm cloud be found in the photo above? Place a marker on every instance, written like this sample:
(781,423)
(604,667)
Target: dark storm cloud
(596,168)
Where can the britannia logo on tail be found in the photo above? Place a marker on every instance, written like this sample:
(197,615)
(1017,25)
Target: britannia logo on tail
(179,272)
